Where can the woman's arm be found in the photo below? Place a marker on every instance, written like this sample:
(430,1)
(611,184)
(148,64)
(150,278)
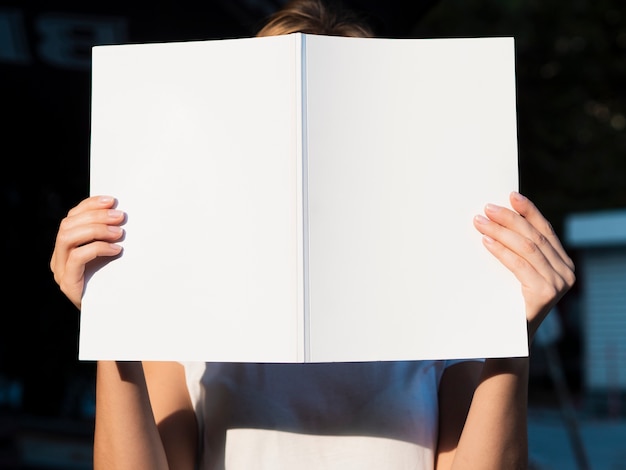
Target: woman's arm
(483,415)
(144,416)
(143,420)
(484,409)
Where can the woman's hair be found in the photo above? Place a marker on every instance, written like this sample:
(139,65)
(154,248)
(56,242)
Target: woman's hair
(315,17)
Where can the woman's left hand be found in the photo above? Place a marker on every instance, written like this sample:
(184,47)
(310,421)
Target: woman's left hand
(525,242)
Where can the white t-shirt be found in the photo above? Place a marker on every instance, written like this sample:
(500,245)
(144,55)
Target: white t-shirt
(367,415)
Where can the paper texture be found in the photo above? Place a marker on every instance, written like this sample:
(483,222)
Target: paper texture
(303,198)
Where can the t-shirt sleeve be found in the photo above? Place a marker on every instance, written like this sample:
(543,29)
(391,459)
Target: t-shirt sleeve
(451,362)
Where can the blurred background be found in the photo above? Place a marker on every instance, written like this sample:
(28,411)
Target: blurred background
(571,71)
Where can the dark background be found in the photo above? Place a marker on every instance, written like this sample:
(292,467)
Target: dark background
(571,117)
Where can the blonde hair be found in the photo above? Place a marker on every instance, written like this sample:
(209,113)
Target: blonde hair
(315,17)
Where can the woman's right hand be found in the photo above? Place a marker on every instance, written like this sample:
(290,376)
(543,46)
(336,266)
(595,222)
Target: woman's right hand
(89,231)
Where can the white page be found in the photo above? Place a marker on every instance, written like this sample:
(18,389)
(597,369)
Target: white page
(408,139)
(197,142)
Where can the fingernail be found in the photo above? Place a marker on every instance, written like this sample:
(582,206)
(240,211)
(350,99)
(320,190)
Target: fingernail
(115,247)
(481,219)
(105,199)
(114,228)
(517,196)
(492,208)
(487,239)
(114,213)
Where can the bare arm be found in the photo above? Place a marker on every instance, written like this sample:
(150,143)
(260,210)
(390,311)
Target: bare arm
(490,431)
(143,424)
(144,416)
(483,420)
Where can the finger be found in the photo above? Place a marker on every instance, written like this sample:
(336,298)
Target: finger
(69,239)
(76,216)
(516,232)
(543,280)
(93,203)
(76,230)
(89,226)
(72,280)
(83,227)
(531,213)
(519,254)
(539,294)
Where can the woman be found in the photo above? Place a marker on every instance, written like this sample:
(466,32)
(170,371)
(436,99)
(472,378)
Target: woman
(395,415)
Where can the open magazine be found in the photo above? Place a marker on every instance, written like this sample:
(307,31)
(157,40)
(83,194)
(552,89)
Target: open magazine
(303,198)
